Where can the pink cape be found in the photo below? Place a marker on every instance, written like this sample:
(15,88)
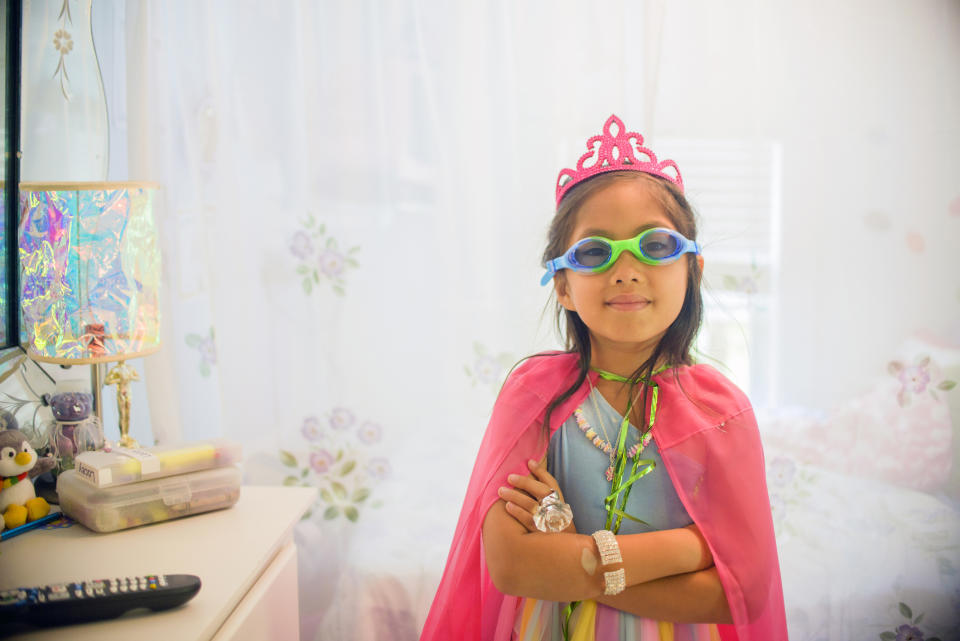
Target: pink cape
(711,450)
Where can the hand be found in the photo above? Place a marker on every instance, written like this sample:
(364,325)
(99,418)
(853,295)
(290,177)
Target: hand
(524,497)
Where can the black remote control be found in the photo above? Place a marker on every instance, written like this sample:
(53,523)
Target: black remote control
(77,602)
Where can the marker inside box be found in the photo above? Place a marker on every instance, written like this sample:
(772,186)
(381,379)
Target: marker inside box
(122,465)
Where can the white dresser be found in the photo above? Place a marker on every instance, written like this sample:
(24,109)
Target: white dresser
(245,557)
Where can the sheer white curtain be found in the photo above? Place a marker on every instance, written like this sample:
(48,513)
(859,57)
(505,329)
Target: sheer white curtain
(356,201)
(357,196)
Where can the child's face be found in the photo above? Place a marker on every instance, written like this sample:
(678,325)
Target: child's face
(629,306)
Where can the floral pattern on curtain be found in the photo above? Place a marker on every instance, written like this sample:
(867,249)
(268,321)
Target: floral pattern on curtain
(356,200)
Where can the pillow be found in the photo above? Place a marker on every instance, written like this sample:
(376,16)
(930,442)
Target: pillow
(899,431)
(945,365)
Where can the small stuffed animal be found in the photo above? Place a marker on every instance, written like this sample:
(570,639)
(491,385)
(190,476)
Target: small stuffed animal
(19,464)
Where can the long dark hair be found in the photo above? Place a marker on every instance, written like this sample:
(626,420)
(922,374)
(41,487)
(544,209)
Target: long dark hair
(674,346)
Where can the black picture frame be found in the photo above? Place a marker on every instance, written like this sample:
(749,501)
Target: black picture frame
(13,12)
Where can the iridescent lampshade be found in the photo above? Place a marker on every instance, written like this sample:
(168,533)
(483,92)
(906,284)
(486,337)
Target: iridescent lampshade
(90,276)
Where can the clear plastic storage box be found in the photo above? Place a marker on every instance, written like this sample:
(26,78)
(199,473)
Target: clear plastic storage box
(124,506)
(122,466)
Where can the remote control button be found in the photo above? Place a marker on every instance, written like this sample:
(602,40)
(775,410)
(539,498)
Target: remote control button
(12,596)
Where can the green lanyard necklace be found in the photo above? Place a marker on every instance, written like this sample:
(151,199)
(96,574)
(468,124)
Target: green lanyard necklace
(616,502)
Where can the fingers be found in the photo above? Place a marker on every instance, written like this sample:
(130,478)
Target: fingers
(521,499)
(539,471)
(538,484)
(536,489)
(527,492)
(523,516)
(520,506)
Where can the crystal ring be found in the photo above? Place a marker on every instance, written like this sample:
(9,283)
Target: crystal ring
(552,515)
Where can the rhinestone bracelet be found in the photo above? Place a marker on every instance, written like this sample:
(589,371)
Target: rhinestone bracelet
(608,547)
(614,582)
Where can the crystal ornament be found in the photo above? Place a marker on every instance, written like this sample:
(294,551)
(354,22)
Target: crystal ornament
(552,515)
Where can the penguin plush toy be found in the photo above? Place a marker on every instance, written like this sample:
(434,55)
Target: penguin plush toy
(19,464)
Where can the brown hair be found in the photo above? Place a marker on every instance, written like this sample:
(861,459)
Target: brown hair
(674,346)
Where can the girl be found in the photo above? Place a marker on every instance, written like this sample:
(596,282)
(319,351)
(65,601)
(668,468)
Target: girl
(657,459)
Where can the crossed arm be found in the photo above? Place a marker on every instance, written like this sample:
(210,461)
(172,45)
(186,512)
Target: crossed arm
(670,574)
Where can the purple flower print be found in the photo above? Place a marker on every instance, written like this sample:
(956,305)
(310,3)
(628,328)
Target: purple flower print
(748,285)
(207,347)
(916,377)
(378,468)
(320,257)
(343,470)
(301,246)
(487,369)
(782,471)
(909,633)
(312,429)
(332,262)
(208,351)
(321,461)
(778,507)
(913,379)
(341,418)
(369,433)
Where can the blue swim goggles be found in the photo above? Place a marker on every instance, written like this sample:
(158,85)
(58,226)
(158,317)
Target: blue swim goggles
(657,246)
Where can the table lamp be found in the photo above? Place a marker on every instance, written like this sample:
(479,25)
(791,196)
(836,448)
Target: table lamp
(90,279)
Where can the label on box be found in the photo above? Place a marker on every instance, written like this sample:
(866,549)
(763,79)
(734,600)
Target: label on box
(92,474)
(149,462)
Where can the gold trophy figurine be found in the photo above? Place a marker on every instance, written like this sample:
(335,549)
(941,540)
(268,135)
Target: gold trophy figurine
(121,375)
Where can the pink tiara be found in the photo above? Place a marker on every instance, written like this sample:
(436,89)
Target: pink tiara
(620,151)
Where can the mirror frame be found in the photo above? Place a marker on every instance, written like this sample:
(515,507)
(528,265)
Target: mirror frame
(11,174)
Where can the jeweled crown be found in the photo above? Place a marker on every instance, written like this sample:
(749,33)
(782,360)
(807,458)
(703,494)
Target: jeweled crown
(616,149)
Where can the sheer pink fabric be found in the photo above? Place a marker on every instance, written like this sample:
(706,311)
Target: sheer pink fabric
(710,446)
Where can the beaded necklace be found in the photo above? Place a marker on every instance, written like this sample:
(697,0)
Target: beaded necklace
(603,444)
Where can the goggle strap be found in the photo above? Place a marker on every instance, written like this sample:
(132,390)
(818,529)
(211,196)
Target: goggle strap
(551,270)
